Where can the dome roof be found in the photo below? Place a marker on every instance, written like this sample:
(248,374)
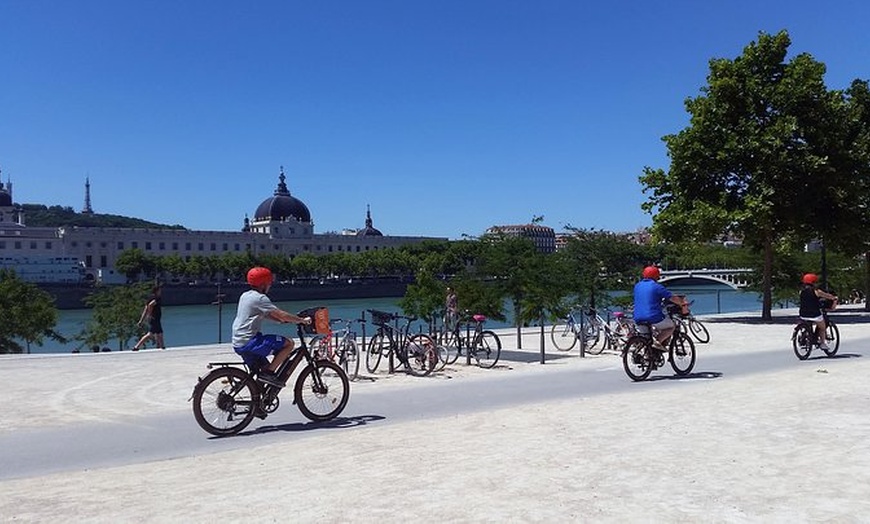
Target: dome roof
(369,230)
(282,205)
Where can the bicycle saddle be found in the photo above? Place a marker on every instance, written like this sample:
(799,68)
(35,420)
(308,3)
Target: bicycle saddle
(479,318)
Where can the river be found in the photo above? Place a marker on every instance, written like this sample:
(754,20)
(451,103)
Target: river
(206,324)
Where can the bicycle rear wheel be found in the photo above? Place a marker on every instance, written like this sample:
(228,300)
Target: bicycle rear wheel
(802,341)
(322,391)
(421,355)
(637,358)
(832,337)
(449,344)
(487,350)
(699,330)
(348,357)
(563,336)
(378,345)
(682,354)
(224,401)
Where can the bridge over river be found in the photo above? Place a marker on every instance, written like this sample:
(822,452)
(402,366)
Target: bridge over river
(733,278)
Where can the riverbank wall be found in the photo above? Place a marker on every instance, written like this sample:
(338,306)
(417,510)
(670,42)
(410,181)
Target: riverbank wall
(73,296)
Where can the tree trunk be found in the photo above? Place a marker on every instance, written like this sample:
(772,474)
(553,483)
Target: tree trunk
(766,287)
(519,324)
(867,281)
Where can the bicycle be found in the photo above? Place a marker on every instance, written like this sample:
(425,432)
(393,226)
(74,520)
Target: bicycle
(640,356)
(804,337)
(565,336)
(482,345)
(693,325)
(339,346)
(417,353)
(226,400)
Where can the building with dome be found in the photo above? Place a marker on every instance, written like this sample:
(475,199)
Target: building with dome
(281,224)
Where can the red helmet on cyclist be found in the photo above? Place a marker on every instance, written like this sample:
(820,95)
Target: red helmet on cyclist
(810,278)
(651,272)
(259,276)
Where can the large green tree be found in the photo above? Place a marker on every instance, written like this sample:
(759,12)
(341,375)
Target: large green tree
(758,158)
(116,310)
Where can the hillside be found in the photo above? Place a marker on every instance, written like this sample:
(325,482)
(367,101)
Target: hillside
(37,215)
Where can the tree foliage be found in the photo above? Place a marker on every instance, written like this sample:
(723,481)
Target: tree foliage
(27,314)
(116,310)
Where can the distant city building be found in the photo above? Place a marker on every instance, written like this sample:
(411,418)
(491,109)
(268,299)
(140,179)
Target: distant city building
(543,237)
(282,224)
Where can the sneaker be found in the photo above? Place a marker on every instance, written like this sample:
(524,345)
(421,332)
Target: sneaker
(658,345)
(270,378)
(824,347)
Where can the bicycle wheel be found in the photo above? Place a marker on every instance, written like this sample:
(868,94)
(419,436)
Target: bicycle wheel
(421,355)
(802,341)
(592,334)
(682,354)
(636,358)
(832,337)
(348,357)
(699,330)
(563,336)
(378,345)
(322,391)
(487,350)
(224,401)
(449,344)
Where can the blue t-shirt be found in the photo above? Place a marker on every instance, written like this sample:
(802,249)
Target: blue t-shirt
(648,297)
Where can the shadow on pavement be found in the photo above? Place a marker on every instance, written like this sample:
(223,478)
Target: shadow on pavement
(702,374)
(839,355)
(336,423)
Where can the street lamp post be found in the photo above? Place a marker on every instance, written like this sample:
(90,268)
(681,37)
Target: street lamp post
(219,301)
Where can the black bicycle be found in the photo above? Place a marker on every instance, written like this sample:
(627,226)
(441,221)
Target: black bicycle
(417,353)
(476,343)
(641,356)
(226,400)
(804,337)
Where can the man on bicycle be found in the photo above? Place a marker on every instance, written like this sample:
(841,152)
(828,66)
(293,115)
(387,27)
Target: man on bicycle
(811,308)
(248,341)
(649,297)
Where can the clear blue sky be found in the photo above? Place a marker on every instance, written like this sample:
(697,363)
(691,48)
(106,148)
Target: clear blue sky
(446,116)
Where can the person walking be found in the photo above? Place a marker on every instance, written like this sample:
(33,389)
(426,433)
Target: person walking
(153,313)
(451,311)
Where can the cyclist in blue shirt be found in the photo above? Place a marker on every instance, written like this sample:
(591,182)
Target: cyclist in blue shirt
(649,298)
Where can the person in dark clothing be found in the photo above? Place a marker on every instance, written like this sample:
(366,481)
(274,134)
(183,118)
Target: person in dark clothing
(152,312)
(811,308)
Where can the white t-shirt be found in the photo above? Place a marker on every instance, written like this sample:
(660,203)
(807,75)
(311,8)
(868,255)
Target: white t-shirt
(253,308)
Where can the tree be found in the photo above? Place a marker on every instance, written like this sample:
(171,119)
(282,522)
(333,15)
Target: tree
(754,156)
(26,313)
(116,310)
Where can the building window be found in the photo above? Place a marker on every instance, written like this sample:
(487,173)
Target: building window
(18,244)
(226,247)
(2,245)
(277,247)
(103,245)
(236,247)
(200,246)
(48,245)
(175,246)
(103,261)
(87,244)
(134,245)
(89,261)
(330,249)
(213,246)
(357,249)
(73,244)
(120,246)
(161,246)
(147,246)
(32,245)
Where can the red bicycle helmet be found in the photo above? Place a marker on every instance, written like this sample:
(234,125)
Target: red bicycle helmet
(259,276)
(810,278)
(651,272)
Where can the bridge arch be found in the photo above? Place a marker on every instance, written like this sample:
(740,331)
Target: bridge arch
(733,278)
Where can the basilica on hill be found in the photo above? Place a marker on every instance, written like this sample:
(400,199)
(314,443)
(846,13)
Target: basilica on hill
(281,224)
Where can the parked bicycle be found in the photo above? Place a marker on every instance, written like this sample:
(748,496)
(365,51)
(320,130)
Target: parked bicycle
(339,346)
(227,399)
(612,335)
(417,353)
(693,325)
(477,343)
(804,337)
(641,355)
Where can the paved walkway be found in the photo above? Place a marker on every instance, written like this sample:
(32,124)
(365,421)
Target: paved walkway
(786,446)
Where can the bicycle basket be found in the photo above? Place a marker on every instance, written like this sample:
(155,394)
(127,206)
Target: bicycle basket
(381,317)
(320,320)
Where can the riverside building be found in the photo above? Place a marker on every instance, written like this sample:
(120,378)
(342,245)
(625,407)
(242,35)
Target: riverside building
(281,224)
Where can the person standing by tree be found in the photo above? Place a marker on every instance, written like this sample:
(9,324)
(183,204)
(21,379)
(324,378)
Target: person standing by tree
(153,312)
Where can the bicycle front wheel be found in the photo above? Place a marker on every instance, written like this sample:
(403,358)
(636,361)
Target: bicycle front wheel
(421,355)
(832,336)
(563,336)
(224,401)
(449,344)
(682,355)
(378,345)
(637,358)
(348,356)
(487,350)
(322,391)
(699,331)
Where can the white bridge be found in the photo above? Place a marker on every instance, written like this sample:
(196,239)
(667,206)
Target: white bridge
(734,278)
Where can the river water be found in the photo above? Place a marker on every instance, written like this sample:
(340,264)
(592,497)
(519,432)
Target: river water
(209,324)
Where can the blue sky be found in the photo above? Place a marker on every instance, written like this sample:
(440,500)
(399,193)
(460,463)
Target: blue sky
(445,116)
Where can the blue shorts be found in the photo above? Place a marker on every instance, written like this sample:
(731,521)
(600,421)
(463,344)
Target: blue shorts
(259,347)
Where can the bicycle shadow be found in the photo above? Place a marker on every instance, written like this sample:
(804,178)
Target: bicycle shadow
(691,376)
(336,423)
(834,357)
